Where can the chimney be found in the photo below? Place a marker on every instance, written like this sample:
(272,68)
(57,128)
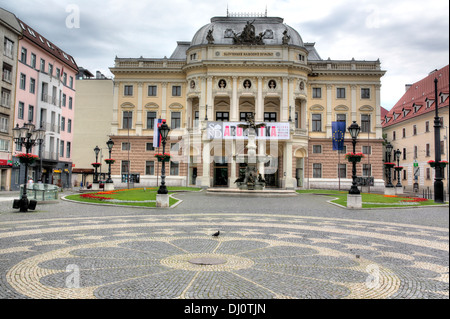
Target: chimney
(407,86)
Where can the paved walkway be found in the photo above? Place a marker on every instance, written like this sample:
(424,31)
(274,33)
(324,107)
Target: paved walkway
(293,247)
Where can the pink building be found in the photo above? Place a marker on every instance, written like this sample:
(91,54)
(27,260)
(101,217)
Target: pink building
(45,96)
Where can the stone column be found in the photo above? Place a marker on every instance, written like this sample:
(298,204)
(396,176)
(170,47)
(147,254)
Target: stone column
(284,101)
(115,113)
(329,110)
(202,104)
(287,154)
(259,116)
(378,128)
(234,109)
(164,100)
(291,100)
(188,119)
(206,178)
(353,88)
(233,173)
(209,98)
(139,111)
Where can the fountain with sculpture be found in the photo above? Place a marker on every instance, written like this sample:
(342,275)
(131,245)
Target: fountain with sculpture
(251,179)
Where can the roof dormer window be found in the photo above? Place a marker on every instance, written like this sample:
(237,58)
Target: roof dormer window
(416,107)
(443,97)
(429,102)
(31,32)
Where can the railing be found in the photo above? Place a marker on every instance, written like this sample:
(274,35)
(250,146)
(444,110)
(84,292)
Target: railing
(41,192)
(50,99)
(346,65)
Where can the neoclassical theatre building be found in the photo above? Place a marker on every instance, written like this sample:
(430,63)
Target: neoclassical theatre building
(237,66)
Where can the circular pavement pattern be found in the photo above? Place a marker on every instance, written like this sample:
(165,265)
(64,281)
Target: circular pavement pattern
(147,255)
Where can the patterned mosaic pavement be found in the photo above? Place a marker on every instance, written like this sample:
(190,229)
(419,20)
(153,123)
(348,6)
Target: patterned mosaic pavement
(144,253)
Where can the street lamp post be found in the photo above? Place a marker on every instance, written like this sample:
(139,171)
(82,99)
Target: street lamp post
(26,136)
(110,145)
(397,155)
(96,150)
(389,148)
(438,185)
(164,131)
(354,130)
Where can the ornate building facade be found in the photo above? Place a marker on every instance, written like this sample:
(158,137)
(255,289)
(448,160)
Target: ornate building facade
(233,67)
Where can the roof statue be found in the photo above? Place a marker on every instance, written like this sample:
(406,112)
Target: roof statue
(286,37)
(248,35)
(209,36)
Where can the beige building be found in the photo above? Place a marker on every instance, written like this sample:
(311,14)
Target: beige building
(233,67)
(409,127)
(10,32)
(94,98)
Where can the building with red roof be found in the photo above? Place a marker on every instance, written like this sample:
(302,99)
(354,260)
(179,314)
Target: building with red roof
(409,126)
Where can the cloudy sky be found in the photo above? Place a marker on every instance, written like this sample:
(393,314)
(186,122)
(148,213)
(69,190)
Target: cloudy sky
(410,37)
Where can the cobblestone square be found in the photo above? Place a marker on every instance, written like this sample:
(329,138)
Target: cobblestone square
(296,247)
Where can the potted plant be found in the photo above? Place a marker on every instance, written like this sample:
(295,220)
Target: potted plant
(354,157)
(110,161)
(27,158)
(432,163)
(389,164)
(96,164)
(163,157)
(443,163)
(398,168)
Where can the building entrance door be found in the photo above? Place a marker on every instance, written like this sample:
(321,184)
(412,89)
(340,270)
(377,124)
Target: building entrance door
(220,175)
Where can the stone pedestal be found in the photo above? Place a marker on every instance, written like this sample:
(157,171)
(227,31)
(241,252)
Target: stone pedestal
(162,200)
(399,190)
(354,201)
(389,191)
(108,186)
(95,186)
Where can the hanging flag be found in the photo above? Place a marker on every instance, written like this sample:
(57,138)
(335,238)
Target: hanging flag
(156,135)
(338,129)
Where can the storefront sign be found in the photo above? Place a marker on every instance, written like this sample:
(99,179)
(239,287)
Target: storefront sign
(231,130)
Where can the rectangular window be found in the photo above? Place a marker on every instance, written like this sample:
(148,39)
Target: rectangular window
(20,110)
(427,150)
(393,136)
(126,146)
(270,116)
(405,174)
(366,149)
(176,90)
(30,113)
(61,149)
(125,167)
(317,93)
(8,47)
(68,150)
(63,123)
(128,90)
(149,168)
(71,82)
(23,55)
(23,81)
(70,102)
(427,126)
(428,173)
(344,150)
(317,149)
(69,126)
(365,123)
(127,119)
(341,118)
(64,80)
(149,147)
(64,100)
(243,116)
(4,145)
(317,170)
(33,60)
(340,93)
(4,124)
(404,153)
(175,120)
(415,151)
(403,132)
(365,93)
(342,170)
(367,170)
(50,69)
(32,85)
(152,90)
(7,73)
(174,168)
(151,116)
(414,129)
(316,122)
(42,65)
(222,116)
(6,98)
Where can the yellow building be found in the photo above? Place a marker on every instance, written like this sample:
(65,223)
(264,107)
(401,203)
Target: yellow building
(233,67)
(409,127)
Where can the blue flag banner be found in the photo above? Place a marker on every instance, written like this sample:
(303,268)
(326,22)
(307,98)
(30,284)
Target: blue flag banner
(156,134)
(338,129)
